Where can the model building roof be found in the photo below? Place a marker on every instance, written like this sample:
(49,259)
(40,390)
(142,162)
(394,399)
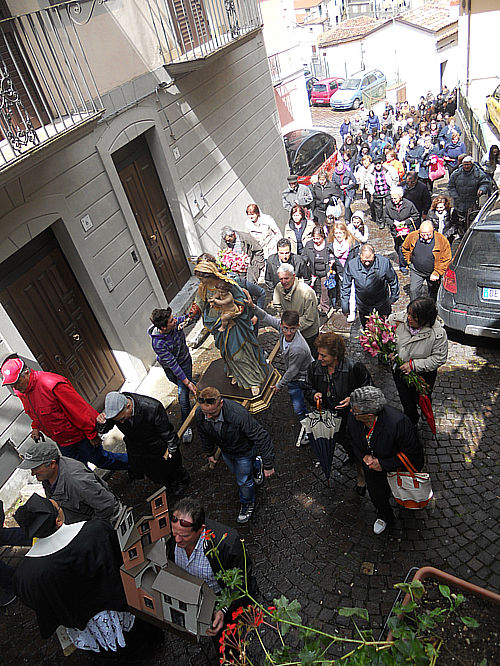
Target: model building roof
(157,553)
(156,494)
(178,583)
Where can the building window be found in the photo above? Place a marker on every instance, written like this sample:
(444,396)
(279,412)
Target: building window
(158,502)
(183,606)
(130,520)
(145,527)
(123,527)
(167,599)
(149,603)
(132,554)
(162,523)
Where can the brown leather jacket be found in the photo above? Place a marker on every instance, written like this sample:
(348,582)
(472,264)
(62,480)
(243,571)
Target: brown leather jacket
(441,251)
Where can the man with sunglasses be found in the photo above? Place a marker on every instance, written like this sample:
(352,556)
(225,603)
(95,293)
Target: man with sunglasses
(247,449)
(191,548)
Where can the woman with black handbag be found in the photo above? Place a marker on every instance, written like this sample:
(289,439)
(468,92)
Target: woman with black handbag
(318,256)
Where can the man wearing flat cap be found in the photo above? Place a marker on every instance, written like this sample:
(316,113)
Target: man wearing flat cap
(59,412)
(71,577)
(296,194)
(148,434)
(77,490)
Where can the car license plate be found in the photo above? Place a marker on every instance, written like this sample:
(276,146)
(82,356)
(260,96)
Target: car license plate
(490,294)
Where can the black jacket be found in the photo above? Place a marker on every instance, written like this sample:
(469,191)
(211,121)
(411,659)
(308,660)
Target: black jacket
(420,198)
(348,376)
(464,187)
(273,263)
(375,286)
(309,255)
(240,433)
(393,433)
(407,212)
(149,432)
(319,192)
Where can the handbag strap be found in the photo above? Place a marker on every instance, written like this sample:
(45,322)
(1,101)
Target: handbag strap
(406,462)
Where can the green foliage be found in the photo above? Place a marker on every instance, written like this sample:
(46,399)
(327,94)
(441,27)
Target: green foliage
(230,577)
(226,597)
(286,612)
(352,612)
(469,622)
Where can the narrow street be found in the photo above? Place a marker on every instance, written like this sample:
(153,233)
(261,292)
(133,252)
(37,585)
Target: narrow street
(314,542)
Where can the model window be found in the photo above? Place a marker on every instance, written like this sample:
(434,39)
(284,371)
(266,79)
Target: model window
(158,502)
(123,527)
(149,603)
(162,523)
(177,618)
(183,606)
(145,527)
(167,599)
(130,520)
(132,553)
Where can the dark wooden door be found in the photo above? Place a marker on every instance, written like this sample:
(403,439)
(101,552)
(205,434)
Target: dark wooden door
(154,219)
(50,311)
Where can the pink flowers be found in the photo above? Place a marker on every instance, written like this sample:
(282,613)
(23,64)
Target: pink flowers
(229,260)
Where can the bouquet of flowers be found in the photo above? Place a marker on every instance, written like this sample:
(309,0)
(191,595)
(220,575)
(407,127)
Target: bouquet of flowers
(379,339)
(229,260)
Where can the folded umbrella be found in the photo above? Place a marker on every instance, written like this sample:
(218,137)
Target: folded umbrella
(426,407)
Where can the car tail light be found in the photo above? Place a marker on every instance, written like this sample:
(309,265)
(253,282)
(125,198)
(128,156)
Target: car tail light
(450,281)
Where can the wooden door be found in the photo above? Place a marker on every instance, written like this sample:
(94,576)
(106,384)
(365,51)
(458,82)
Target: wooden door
(49,309)
(154,219)
(190,23)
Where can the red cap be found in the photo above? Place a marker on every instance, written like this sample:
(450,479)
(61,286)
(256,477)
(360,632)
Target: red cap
(11,370)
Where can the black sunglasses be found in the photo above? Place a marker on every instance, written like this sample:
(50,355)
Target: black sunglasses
(184,523)
(208,401)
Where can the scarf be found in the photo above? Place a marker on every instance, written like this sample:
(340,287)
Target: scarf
(341,250)
(343,168)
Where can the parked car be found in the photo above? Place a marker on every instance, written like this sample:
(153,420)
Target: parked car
(469,296)
(493,108)
(324,89)
(308,151)
(350,94)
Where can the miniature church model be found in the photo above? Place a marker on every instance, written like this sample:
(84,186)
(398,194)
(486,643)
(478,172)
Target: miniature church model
(153,585)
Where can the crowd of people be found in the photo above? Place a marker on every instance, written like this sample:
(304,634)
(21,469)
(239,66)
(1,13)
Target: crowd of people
(320,262)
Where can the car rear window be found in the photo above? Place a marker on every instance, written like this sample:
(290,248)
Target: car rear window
(319,87)
(482,250)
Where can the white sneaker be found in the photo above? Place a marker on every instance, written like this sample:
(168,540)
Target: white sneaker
(351,318)
(187,437)
(379,526)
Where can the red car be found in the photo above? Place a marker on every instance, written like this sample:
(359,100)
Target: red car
(324,89)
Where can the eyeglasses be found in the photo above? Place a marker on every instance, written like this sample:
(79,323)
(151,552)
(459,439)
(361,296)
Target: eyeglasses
(183,523)
(208,401)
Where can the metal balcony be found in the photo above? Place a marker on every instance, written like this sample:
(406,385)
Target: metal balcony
(191,31)
(46,87)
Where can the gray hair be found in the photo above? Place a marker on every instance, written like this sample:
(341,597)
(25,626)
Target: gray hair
(226,231)
(368,399)
(367,248)
(397,192)
(286,268)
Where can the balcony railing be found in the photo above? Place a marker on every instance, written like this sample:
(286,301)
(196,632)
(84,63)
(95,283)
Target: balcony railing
(190,30)
(46,86)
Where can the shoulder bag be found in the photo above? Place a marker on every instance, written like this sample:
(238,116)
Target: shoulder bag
(411,489)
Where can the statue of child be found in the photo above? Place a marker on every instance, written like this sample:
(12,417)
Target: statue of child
(223,300)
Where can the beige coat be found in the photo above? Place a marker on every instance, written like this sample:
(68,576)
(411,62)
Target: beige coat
(428,349)
(302,299)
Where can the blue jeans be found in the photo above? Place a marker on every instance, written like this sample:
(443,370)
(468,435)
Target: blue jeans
(296,393)
(243,467)
(97,455)
(182,389)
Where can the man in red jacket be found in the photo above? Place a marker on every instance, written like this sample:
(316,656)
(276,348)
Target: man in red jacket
(59,412)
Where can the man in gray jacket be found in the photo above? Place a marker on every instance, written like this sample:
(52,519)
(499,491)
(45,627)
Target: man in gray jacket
(77,490)
(296,355)
(296,194)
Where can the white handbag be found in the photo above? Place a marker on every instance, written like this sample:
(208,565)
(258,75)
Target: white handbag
(411,489)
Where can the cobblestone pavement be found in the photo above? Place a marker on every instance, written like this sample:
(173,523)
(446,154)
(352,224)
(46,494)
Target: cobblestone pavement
(315,542)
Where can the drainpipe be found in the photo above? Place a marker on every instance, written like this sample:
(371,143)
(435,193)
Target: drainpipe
(468,48)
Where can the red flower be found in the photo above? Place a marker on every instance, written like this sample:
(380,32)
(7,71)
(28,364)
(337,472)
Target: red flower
(271,608)
(208,535)
(238,612)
